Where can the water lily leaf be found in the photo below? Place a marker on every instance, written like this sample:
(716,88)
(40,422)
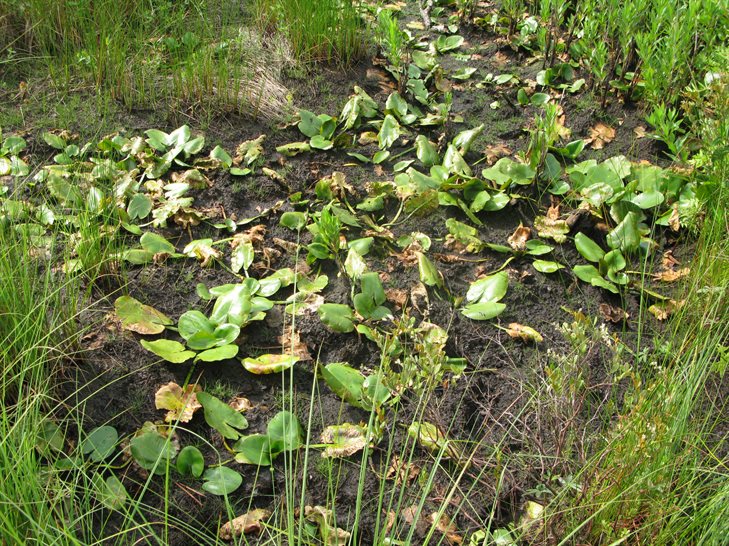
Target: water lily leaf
(54,141)
(310,124)
(524,333)
(284,432)
(589,249)
(250,522)
(354,265)
(345,381)
(49,437)
(429,274)
(389,132)
(139,207)
(322,518)
(428,436)
(426,151)
(99,444)
(463,73)
(345,440)
(368,303)
(216,354)
(140,318)
(625,236)
(221,480)
(203,250)
(483,311)
(152,450)
(222,417)
(254,449)
(269,363)
(293,220)
(463,140)
(544,266)
(488,289)
(293,148)
(180,403)
(551,227)
(242,257)
(380,156)
(110,491)
(219,154)
(169,350)
(338,317)
(190,462)
(535,247)
(445,43)
(318,142)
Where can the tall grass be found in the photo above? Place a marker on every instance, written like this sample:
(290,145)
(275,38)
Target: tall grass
(325,30)
(660,478)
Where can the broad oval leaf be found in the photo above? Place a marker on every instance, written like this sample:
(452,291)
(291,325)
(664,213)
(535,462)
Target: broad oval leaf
(589,249)
(151,450)
(221,480)
(284,432)
(483,311)
(488,289)
(269,363)
(253,449)
(344,440)
(140,318)
(345,381)
(169,350)
(216,354)
(100,443)
(190,462)
(338,317)
(544,266)
(221,416)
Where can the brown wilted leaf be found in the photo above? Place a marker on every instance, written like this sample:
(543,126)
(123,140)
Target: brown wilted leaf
(500,59)
(447,527)
(551,226)
(400,471)
(613,314)
(240,403)
(180,403)
(640,131)
(669,261)
(250,522)
(292,344)
(188,217)
(600,135)
(671,275)
(254,235)
(518,239)
(419,297)
(367,137)
(288,246)
(494,152)
(331,536)
(397,296)
(662,310)
(524,333)
(674,221)
(344,440)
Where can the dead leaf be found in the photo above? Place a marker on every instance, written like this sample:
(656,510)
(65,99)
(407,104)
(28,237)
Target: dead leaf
(613,314)
(254,235)
(446,527)
(185,218)
(550,226)
(669,261)
(344,440)
(397,296)
(640,131)
(600,135)
(181,403)
(250,522)
(495,152)
(518,239)
(500,59)
(292,344)
(401,471)
(524,333)
(671,275)
(330,535)
(662,310)
(674,221)
(240,403)
(419,297)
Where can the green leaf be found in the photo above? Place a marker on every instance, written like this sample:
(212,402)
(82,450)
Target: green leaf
(139,207)
(586,272)
(284,432)
(156,244)
(345,381)
(310,124)
(463,73)
(488,289)
(269,363)
(151,450)
(54,141)
(368,302)
(293,220)
(216,354)
(237,171)
(429,274)
(483,311)
(221,416)
(444,43)
(463,140)
(293,148)
(535,247)
(171,351)
(140,318)
(221,155)
(380,156)
(110,491)
(221,480)
(190,462)
(242,257)
(544,266)
(254,449)
(99,444)
(625,236)
(389,132)
(589,249)
(338,317)
(318,142)
(426,151)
